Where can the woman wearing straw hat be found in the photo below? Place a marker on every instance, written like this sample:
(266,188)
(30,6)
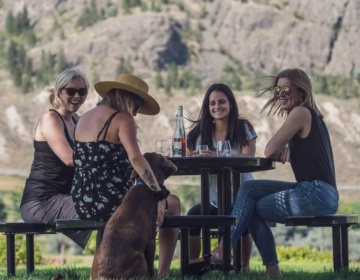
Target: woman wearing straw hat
(105,147)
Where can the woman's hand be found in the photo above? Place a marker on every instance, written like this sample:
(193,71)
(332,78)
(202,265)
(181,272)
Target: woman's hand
(206,153)
(284,155)
(160,212)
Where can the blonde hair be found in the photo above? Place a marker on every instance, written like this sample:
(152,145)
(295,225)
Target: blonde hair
(120,100)
(300,81)
(62,80)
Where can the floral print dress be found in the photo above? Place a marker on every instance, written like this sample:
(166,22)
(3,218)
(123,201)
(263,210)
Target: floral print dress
(101,177)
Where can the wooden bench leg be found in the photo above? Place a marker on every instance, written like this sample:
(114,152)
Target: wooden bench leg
(345,246)
(30,262)
(340,247)
(99,236)
(226,250)
(10,254)
(237,256)
(184,251)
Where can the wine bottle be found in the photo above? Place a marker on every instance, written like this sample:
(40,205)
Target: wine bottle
(179,140)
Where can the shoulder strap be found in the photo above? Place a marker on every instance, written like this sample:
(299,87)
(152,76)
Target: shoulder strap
(74,120)
(106,126)
(67,135)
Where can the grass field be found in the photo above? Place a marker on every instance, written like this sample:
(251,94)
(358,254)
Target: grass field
(299,270)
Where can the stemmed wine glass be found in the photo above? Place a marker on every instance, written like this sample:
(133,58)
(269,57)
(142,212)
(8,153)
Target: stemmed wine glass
(200,148)
(223,148)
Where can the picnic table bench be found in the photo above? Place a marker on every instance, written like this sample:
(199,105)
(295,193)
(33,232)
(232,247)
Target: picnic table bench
(339,224)
(223,222)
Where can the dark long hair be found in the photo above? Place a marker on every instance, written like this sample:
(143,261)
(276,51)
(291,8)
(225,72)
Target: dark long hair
(205,126)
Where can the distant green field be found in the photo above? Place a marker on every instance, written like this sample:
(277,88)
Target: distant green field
(356,206)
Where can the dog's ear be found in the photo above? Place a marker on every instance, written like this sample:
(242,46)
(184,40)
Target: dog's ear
(169,168)
(161,167)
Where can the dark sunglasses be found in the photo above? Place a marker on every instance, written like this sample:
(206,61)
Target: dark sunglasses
(139,104)
(286,90)
(72,91)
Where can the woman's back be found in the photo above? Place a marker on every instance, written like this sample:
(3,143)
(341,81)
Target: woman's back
(101,167)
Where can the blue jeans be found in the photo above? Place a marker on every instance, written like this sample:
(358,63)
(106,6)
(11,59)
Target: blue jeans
(259,201)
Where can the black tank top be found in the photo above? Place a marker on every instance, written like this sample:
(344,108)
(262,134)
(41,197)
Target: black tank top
(312,157)
(49,176)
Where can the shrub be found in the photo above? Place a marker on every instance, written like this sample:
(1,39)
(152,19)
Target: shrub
(297,253)
(20,251)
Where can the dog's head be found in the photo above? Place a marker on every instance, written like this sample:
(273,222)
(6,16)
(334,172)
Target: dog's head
(161,167)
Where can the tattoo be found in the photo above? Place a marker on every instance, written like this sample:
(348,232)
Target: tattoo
(149,178)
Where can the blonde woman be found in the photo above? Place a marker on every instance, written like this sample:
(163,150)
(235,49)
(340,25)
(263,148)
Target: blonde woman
(46,194)
(106,146)
(303,141)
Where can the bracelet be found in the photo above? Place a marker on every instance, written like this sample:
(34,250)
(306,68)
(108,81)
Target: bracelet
(162,194)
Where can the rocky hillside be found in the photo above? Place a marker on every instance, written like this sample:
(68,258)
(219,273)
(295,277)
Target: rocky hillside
(251,37)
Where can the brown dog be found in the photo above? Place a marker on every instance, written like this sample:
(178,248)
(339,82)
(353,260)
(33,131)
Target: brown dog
(128,245)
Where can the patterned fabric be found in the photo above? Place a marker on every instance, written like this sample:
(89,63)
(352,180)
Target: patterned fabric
(101,177)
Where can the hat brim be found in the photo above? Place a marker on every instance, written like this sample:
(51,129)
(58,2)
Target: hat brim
(150,107)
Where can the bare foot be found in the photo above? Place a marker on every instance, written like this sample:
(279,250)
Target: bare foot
(217,254)
(273,270)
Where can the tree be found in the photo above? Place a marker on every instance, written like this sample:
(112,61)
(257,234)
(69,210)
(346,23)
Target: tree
(9,23)
(159,80)
(61,61)
(3,214)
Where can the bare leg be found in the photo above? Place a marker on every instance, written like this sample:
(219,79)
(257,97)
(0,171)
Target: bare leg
(167,239)
(246,247)
(195,247)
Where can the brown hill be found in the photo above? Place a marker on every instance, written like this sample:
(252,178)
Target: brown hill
(205,36)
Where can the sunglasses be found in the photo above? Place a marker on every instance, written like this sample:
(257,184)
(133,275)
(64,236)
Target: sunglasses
(72,91)
(286,90)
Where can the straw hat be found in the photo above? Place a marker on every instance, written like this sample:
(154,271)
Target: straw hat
(134,85)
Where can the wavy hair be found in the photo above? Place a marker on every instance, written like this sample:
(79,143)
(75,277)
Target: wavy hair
(121,100)
(300,81)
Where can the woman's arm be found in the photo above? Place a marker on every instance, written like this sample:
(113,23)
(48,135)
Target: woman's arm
(249,149)
(51,129)
(297,122)
(127,135)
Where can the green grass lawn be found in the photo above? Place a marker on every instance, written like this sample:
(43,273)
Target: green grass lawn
(290,270)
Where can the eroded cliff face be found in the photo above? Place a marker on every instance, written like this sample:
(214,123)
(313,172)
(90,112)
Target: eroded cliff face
(261,35)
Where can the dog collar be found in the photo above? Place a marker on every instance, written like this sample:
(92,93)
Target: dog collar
(162,194)
(159,195)
(139,182)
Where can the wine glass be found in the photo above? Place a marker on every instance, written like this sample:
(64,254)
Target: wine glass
(162,147)
(223,148)
(200,149)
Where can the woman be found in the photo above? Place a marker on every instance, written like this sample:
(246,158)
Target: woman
(303,140)
(46,194)
(219,120)
(106,146)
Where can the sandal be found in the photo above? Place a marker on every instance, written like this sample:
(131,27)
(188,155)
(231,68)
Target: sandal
(198,267)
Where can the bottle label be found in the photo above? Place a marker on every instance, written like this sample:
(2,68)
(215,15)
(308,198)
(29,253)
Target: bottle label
(177,149)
